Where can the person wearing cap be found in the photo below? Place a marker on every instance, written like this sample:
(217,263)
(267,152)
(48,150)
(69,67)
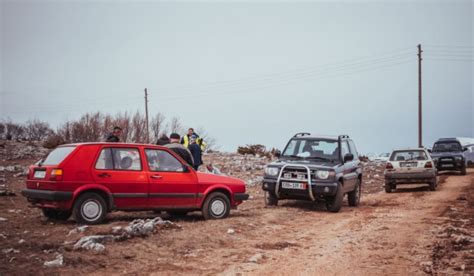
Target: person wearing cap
(179,149)
(195,152)
(114,137)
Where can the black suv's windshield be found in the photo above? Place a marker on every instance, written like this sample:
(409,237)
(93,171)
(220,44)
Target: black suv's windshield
(315,149)
(447,147)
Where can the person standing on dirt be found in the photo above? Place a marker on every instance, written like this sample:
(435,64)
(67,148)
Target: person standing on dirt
(179,149)
(186,139)
(114,137)
(163,140)
(195,152)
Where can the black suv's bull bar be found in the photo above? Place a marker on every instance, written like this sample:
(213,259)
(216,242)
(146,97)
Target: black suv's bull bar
(278,183)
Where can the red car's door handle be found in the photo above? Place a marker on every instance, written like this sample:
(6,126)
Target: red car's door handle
(156,176)
(104,175)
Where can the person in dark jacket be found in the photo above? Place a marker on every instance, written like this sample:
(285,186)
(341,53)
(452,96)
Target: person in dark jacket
(163,140)
(196,152)
(179,149)
(114,137)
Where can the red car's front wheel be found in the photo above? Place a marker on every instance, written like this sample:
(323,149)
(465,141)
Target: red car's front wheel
(216,206)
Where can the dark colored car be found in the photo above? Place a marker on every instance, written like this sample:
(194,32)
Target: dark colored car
(448,155)
(89,180)
(315,168)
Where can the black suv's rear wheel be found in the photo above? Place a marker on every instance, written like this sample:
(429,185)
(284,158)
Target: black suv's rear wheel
(90,208)
(216,206)
(56,214)
(354,196)
(334,203)
(270,199)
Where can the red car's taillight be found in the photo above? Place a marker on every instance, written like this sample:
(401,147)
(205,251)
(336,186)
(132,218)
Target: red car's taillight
(389,166)
(57,174)
(429,165)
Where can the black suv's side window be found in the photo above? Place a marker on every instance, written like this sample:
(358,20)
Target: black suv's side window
(123,159)
(344,148)
(353,149)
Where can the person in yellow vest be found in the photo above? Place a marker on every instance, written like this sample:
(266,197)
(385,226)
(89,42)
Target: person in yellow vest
(186,138)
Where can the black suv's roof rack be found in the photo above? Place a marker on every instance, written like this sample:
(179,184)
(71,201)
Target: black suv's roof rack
(301,134)
(343,136)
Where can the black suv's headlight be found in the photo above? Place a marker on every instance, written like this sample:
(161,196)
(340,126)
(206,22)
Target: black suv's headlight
(271,171)
(324,174)
(458,158)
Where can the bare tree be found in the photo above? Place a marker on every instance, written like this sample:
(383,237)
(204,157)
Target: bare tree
(176,126)
(3,129)
(158,126)
(14,131)
(36,130)
(210,141)
(137,128)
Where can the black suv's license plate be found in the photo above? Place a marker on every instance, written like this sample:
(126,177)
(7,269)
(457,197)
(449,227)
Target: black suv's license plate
(294,185)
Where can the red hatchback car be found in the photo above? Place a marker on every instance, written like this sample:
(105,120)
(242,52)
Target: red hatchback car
(89,180)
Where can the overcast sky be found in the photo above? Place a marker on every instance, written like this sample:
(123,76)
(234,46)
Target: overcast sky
(248,72)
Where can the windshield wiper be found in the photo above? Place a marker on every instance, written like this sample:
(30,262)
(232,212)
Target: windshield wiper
(319,158)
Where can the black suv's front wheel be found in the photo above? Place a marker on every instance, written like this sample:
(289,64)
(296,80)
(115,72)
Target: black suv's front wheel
(334,203)
(270,199)
(354,196)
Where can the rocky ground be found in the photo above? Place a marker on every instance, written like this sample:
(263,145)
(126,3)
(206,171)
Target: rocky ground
(411,231)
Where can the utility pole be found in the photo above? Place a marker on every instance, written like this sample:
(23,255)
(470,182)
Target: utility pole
(420,123)
(146,117)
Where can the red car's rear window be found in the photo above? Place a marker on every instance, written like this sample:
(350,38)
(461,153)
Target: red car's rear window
(57,156)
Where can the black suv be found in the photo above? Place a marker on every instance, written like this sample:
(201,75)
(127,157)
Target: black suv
(448,155)
(315,168)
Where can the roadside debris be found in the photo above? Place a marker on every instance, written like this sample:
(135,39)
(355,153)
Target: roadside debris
(77,230)
(230,231)
(58,262)
(93,242)
(136,228)
(10,250)
(3,219)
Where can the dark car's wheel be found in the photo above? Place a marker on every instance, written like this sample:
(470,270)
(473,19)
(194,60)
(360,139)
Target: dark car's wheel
(354,196)
(433,184)
(90,208)
(270,199)
(334,204)
(56,214)
(463,170)
(388,187)
(177,213)
(216,206)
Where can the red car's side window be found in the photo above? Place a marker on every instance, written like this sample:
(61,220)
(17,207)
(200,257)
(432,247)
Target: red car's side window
(162,161)
(124,159)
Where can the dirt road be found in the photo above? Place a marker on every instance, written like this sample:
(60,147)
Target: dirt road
(411,231)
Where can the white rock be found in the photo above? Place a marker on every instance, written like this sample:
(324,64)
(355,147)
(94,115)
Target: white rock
(58,262)
(21,241)
(3,219)
(256,258)
(230,231)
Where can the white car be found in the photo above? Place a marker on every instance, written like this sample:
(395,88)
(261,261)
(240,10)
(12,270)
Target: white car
(410,166)
(383,157)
